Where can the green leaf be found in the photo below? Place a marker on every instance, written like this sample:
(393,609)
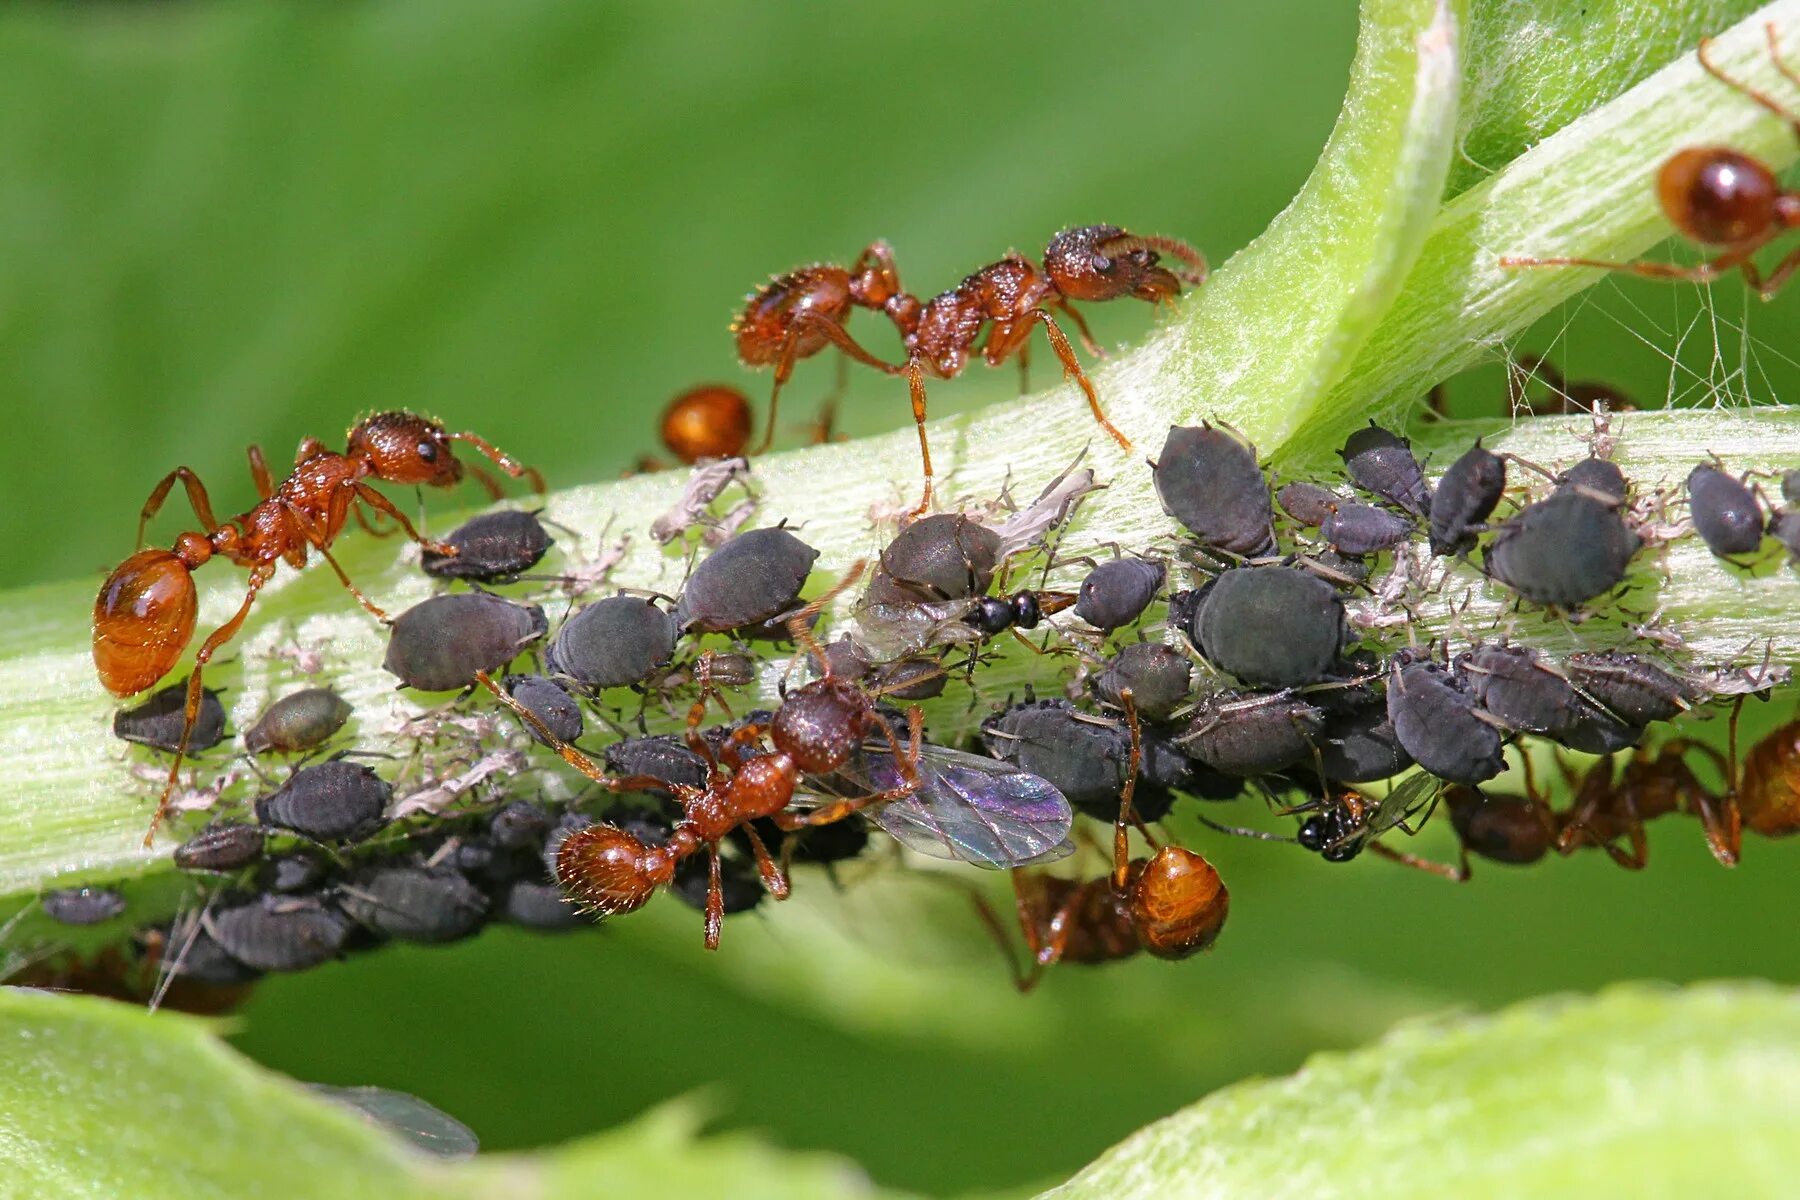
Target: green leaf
(1638,1092)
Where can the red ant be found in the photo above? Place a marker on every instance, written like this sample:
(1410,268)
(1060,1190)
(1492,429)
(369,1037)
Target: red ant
(1653,784)
(145,614)
(1716,196)
(796,315)
(816,731)
(710,421)
(1172,904)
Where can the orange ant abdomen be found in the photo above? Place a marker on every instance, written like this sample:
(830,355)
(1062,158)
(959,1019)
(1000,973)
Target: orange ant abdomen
(143,619)
(1769,795)
(1718,196)
(768,319)
(710,421)
(1178,903)
(612,872)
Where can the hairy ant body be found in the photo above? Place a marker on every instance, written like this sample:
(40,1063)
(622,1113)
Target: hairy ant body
(145,614)
(816,731)
(1718,197)
(796,315)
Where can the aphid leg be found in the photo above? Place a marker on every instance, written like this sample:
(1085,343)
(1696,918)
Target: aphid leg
(1122,826)
(1459,874)
(382,504)
(259,471)
(504,461)
(804,323)
(1540,803)
(1767,102)
(196,494)
(715,897)
(915,383)
(774,877)
(195,692)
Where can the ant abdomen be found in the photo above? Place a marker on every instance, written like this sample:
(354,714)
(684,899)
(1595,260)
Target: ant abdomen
(767,321)
(1717,195)
(143,619)
(1178,903)
(611,872)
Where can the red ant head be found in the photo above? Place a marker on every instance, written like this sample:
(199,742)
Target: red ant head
(1178,903)
(144,617)
(609,870)
(1103,262)
(769,312)
(1718,196)
(820,725)
(401,447)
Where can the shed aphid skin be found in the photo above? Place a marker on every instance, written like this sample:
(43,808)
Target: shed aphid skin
(145,614)
(615,642)
(161,721)
(796,315)
(299,721)
(494,547)
(1208,480)
(1720,199)
(1725,513)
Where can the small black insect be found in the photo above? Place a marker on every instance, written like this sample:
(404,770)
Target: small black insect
(1564,550)
(278,933)
(1271,626)
(1634,688)
(994,615)
(1725,512)
(1116,593)
(751,578)
(1518,688)
(413,904)
(226,846)
(660,757)
(82,905)
(1308,503)
(1086,759)
(440,644)
(943,557)
(614,642)
(1250,735)
(1465,497)
(1597,478)
(298,721)
(1209,481)
(1358,529)
(550,702)
(157,721)
(293,872)
(1382,463)
(336,801)
(1158,676)
(1439,724)
(491,548)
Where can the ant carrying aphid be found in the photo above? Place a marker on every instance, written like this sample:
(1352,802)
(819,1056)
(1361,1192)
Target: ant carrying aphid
(1721,198)
(145,614)
(796,315)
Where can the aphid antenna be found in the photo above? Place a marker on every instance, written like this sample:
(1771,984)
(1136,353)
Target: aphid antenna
(167,970)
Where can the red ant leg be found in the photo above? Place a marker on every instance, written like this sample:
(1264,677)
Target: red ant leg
(1768,103)
(196,494)
(314,535)
(1122,826)
(915,384)
(715,897)
(581,762)
(1441,870)
(1737,259)
(505,462)
(488,483)
(1081,329)
(259,472)
(1059,341)
(369,526)
(790,345)
(191,713)
(1777,279)
(383,505)
(1024,980)
(774,877)
(906,762)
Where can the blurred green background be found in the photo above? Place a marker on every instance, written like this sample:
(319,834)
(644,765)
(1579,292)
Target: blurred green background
(231,223)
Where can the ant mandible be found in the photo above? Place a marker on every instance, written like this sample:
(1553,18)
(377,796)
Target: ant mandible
(1172,904)
(815,731)
(145,613)
(1718,197)
(796,315)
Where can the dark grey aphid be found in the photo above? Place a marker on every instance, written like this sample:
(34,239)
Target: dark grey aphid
(1636,689)
(1116,593)
(298,721)
(1564,550)
(1465,497)
(295,871)
(1357,529)
(1341,568)
(1358,743)
(1598,478)
(1790,488)
(660,757)
(1159,678)
(439,644)
(519,825)
(82,905)
(533,904)
(1252,735)
(189,952)
(279,933)
(1307,503)
(740,887)
(614,642)
(751,578)
(413,904)
(1209,481)
(1518,688)
(1438,723)
(1784,527)
(914,678)
(1725,512)
(336,801)
(549,702)
(944,557)
(226,846)
(1595,730)
(1166,767)
(1271,626)
(1381,462)
(491,548)
(847,659)
(1087,760)
(157,721)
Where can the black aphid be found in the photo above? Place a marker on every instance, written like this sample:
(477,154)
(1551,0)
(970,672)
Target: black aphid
(1357,529)
(1595,730)
(1271,626)
(1358,743)
(1597,478)
(189,952)
(295,871)
(1086,759)
(912,678)
(751,578)
(1564,550)
(413,904)
(1465,498)
(1725,512)
(1252,735)
(1116,593)
(336,801)
(82,905)
(943,557)
(298,721)
(1784,527)
(1382,463)
(520,825)
(1635,689)
(1209,481)
(1439,724)
(1308,503)
(1517,687)
(157,721)
(839,841)
(660,757)
(847,659)
(740,887)
(533,904)
(439,644)
(550,703)
(1159,678)
(491,548)
(614,642)
(279,933)
(226,846)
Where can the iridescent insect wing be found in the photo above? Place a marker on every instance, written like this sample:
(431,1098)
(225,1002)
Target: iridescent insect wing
(896,629)
(973,809)
(426,1127)
(1417,794)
